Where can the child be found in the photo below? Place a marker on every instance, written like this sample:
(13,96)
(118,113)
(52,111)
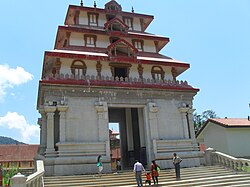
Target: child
(148,178)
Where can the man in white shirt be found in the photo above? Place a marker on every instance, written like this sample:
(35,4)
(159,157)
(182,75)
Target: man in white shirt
(176,161)
(138,168)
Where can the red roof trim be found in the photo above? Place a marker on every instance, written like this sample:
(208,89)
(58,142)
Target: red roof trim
(102,58)
(111,46)
(116,20)
(228,124)
(19,152)
(166,63)
(103,32)
(100,10)
(214,121)
(71,55)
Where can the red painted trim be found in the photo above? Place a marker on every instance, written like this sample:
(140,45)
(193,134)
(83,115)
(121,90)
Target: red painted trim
(111,46)
(116,20)
(71,55)
(132,85)
(132,60)
(172,64)
(101,10)
(103,32)
(84,48)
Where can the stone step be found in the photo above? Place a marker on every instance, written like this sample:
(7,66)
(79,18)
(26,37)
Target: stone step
(127,174)
(211,181)
(197,176)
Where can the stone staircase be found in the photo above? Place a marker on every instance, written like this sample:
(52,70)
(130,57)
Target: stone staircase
(196,176)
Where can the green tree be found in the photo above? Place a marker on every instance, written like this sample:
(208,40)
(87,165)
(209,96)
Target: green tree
(200,119)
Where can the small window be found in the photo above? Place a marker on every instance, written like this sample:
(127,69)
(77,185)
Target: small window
(90,40)
(128,22)
(157,76)
(93,19)
(120,72)
(78,68)
(138,44)
(157,73)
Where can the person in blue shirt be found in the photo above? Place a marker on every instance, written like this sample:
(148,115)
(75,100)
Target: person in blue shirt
(138,168)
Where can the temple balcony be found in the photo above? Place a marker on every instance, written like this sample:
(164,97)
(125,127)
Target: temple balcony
(91,80)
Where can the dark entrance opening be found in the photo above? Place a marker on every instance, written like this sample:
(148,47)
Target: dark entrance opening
(132,140)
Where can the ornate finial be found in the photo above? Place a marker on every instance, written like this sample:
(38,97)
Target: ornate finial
(94,4)
(132,9)
(81,3)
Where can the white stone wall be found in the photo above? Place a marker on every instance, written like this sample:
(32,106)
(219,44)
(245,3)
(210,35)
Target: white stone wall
(102,20)
(149,46)
(102,41)
(237,141)
(83,18)
(137,24)
(216,137)
(76,39)
(82,120)
(169,120)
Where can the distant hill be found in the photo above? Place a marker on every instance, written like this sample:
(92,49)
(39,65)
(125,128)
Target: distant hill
(7,140)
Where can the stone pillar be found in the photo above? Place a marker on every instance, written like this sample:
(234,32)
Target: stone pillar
(185,125)
(191,124)
(18,180)
(62,109)
(50,150)
(103,131)
(43,132)
(153,123)
(209,156)
(129,130)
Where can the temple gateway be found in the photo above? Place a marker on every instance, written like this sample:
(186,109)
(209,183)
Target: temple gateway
(106,69)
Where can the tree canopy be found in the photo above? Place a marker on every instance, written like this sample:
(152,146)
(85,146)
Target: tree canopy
(200,119)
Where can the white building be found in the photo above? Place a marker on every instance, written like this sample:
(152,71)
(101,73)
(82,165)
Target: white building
(229,136)
(106,69)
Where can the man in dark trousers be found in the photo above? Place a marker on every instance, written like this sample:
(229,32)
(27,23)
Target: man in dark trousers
(176,161)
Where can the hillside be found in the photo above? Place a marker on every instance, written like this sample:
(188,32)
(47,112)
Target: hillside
(7,140)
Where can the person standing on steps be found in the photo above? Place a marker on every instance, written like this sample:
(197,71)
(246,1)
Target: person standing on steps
(99,165)
(138,168)
(176,161)
(154,168)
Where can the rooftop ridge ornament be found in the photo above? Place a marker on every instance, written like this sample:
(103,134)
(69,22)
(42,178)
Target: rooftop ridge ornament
(132,9)
(81,3)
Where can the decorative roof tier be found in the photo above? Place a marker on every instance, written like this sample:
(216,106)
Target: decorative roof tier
(110,36)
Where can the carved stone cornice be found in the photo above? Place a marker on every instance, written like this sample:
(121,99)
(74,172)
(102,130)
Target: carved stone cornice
(62,108)
(50,109)
(153,108)
(101,107)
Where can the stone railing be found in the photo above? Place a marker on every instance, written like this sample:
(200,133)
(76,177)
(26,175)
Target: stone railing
(217,158)
(33,180)
(116,80)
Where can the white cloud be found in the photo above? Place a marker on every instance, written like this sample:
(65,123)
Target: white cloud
(10,77)
(14,121)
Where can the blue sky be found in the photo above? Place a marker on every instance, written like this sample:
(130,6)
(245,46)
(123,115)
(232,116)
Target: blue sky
(213,36)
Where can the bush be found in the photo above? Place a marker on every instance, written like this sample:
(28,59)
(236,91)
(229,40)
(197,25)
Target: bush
(7,174)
